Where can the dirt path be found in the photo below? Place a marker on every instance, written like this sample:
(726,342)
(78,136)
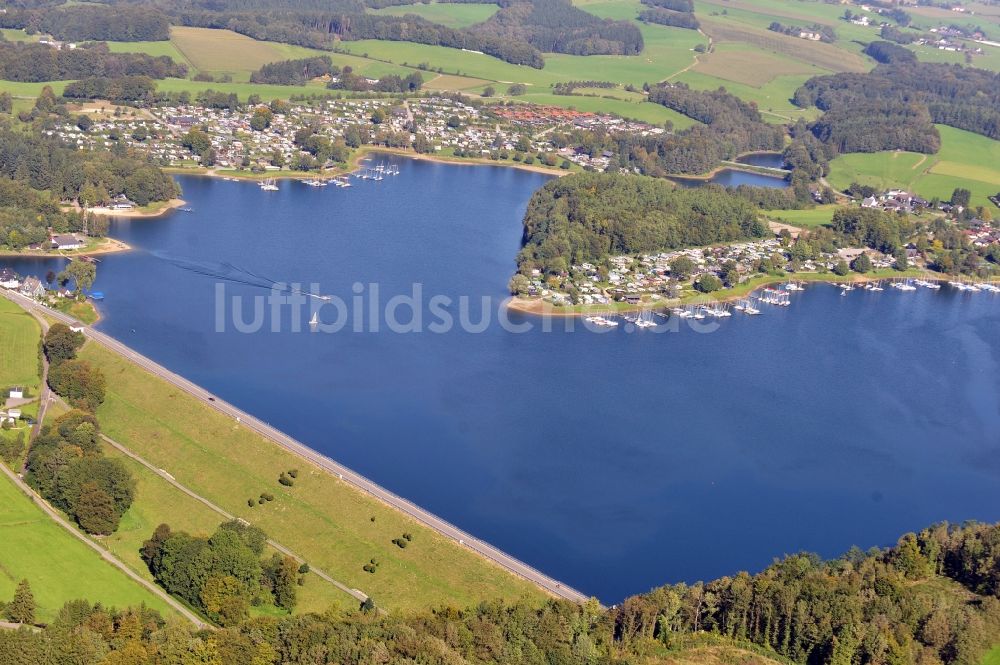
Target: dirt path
(696,60)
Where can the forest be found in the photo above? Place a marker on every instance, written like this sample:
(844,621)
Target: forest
(91,22)
(37,62)
(929,600)
(586,217)
(222,574)
(293,72)
(670,18)
(119,90)
(43,163)
(730,127)
(558,26)
(962,97)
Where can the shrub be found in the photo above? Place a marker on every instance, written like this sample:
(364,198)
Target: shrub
(285,480)
(304,568)
(294,473)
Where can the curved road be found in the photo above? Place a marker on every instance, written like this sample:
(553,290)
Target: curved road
(370,487)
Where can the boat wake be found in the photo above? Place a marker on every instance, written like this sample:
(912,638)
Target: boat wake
(234,274)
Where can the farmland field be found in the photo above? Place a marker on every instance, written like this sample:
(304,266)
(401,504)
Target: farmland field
(773,99)
(644,111)
(19,337)
(156,49)
(747,64)
(222,50)
(451,14)
(158,502)
(58,566)
(965,160)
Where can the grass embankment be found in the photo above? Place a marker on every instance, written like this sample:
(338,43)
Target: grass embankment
(158,502)
(19,337)
(58,566)
(965,160)
(321,518)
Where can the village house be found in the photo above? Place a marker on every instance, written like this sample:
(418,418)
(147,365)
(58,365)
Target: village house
(9,279)
(67,241)
(32,288)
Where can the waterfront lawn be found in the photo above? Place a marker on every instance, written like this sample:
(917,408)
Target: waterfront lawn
(59,567)
(158,502)
(82,310)
(321,518)
(19,338)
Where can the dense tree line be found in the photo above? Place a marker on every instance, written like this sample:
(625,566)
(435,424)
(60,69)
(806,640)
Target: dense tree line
(894,34)
(962,97)
(686,6)
(826,33)
(293,72)
(929,600)
(43,163)
(26,215)
(874,125)
(31,62)
(91,22)
(346,79)
(670,18)
(223,574)
(558,26)
(65,464)
(586,217)
(890,53)
(870,227)
(730,127)
(117,90)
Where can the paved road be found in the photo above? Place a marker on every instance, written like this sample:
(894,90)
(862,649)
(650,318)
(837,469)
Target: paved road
(106,555)
(370,487)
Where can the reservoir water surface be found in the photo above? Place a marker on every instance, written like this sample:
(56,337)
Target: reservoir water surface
(615,462)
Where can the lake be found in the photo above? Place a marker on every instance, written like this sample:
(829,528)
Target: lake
(773,160)
(734,178)
(615,462)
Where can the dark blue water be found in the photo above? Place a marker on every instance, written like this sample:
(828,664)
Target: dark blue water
(615,461)
(774,160)
(735,178)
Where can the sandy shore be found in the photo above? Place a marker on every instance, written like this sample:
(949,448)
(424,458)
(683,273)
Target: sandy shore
(167,207)
(109,246)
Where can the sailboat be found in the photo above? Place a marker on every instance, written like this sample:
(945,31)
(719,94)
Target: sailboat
(314,321)
(269,185)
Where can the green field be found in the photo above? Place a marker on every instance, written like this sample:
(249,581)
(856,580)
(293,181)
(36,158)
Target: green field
(743,63)
(327,522)
(644,111)
(158,502)
(12,35)
(668,50)
(992,656)
(808,218)
(58,566)
(155,49)
(19,337)
(453,15)
(965,160)
(30,90)
(773,99)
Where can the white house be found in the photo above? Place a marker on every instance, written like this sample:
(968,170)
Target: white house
(16,393)
(8,279)
(32,288)
(68,241)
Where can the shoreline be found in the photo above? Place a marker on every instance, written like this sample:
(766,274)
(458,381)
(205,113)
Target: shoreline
(109,246)
(541,308)
(369,488)
(353,164)
(166,207)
